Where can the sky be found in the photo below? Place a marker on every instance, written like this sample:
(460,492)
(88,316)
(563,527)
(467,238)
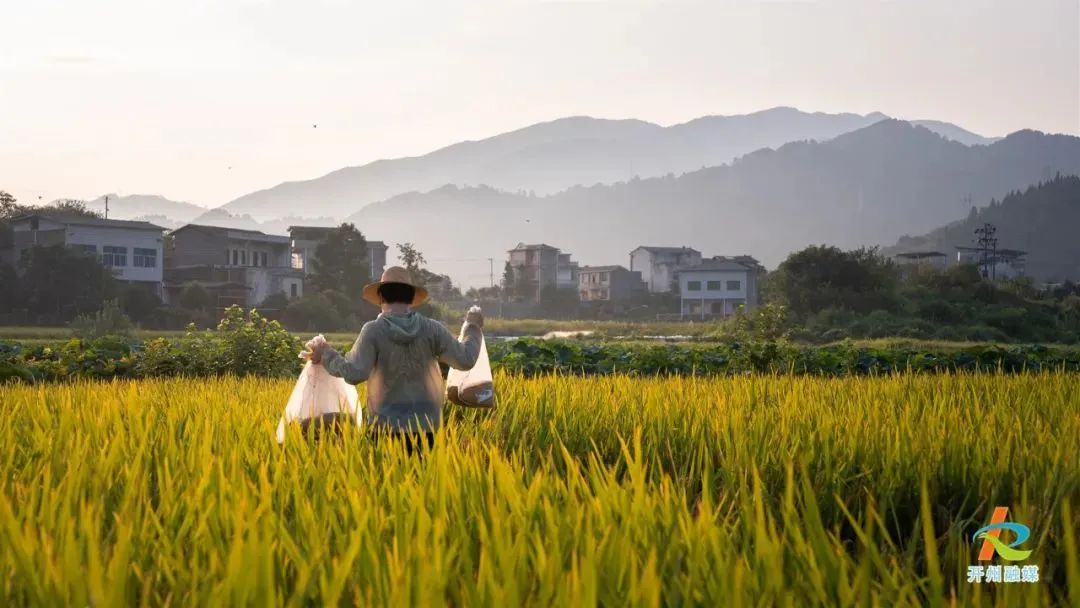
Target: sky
(204,101)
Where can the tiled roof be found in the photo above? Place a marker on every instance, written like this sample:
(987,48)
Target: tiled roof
(91,221)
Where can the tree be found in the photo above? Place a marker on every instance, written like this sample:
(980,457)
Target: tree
(821,277)
(195,297)
(139,303)
(64,283)
(508,279)
(67,207)
(411,259)
(9,288)
(9,208)
(341,262)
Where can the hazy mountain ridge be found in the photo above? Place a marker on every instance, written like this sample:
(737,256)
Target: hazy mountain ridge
(862,188)
(1040,220)
(134,206)
(548,157)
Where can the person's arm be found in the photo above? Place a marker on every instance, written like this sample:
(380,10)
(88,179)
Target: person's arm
(458,354)
(355,366)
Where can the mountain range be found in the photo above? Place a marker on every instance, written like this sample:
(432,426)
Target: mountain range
(865,187)
(552,156)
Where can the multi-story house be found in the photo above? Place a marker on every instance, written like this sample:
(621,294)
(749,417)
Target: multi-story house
(228,260)
(567,272)
(133,250)
(719,286)
(613,284)
(306,239)
(657,265)
(536,266)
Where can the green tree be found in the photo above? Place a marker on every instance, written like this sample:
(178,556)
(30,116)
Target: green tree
(195,297)
(63,283)
(341,262)
(822,277)
(508,279)
(411,259)
(139,303)
(67,207)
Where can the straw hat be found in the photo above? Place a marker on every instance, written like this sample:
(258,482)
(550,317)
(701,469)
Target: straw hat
(394,274)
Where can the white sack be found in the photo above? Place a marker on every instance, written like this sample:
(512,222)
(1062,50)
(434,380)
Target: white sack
(317,393)
(472,388)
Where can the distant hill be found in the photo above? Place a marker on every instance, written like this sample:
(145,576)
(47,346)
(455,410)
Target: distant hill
(866,187)
(552,156)
(1041,220)
(139,205)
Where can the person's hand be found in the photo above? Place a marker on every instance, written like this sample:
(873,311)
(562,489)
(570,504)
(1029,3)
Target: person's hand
(475,316)
(314,349)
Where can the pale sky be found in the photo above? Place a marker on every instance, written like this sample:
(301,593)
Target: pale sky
(204,101)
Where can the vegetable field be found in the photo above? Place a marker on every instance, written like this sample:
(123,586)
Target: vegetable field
(607,490)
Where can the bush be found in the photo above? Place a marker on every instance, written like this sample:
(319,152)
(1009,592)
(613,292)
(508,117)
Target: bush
(312,313)
(109,321)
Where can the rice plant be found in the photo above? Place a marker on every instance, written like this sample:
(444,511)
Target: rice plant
(754,490)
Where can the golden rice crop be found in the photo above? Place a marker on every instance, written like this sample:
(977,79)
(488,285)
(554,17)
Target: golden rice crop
(577,491)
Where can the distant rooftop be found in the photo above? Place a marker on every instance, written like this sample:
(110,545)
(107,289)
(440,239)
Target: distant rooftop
(239,233)
(918,255)
(652,249)
(602,268)
(523,247)
(73,220)
(718,264)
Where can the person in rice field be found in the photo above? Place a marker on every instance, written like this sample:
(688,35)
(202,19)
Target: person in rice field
(397,354)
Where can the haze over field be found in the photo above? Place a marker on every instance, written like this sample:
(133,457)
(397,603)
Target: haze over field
(208,101)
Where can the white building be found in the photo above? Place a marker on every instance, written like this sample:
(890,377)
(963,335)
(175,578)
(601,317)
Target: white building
(657,265)
(132,249)
(718,287)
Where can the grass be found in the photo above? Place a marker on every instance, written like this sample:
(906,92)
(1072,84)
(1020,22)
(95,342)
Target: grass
(588,491)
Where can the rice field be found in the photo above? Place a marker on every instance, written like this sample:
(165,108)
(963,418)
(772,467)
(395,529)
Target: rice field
(743,491)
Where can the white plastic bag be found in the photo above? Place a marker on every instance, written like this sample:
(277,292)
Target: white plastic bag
(318,395)
(472,388)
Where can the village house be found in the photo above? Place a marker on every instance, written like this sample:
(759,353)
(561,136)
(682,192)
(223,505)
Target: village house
(133,250)
(717,287)
(568,271)
(236,266)
(535,265)
(614,284)
(935,260)
(306,239)
(657,265)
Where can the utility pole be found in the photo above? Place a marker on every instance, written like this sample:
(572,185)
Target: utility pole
(106,206)
(987,247)
(491,270)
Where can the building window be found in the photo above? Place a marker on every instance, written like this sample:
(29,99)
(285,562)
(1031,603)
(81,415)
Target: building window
(243,257)
(263,254)
(606,277)
(734,285)
(90,250)
(693,286)
(145,258)
(115,257)
(298,262)
(292,290)
(713,286)
(717,308)
(235,257)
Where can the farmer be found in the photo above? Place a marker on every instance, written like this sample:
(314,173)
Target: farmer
(397,355)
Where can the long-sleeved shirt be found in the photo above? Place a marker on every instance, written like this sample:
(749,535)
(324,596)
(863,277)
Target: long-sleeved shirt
(398,356)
